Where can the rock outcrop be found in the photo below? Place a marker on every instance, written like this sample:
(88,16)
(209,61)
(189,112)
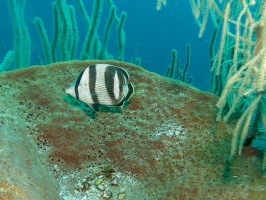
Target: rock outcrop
(164,144)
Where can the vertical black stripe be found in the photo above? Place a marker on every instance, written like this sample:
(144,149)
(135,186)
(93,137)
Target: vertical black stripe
(109,77)
(92,83)
(122,80)
(77,84)
(124,72)
(121,77)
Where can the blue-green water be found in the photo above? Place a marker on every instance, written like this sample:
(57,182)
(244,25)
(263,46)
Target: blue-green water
(150,34)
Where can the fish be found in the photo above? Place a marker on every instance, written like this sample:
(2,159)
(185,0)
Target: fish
(102,84)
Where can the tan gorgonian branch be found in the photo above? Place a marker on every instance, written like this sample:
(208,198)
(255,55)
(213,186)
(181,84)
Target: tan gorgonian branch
(241,55)
(160,3)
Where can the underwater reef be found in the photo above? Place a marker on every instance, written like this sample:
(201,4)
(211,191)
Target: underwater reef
(163,144)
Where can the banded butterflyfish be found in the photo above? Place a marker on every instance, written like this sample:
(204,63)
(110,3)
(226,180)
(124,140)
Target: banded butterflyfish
(102,84)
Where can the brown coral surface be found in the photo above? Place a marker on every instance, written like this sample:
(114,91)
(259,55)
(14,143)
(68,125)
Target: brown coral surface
(164,144)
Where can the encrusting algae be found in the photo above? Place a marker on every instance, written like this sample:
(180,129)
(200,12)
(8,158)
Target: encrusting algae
(164,144)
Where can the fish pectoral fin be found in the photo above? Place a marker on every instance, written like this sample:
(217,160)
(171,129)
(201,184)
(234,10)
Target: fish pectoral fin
(130,91)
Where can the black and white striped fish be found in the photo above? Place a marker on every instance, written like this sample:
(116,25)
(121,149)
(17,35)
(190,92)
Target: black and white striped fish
(102,84)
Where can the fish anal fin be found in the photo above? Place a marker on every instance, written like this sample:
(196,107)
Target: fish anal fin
(121,103)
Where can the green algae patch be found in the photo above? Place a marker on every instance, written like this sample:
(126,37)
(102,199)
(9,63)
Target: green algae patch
(164,144)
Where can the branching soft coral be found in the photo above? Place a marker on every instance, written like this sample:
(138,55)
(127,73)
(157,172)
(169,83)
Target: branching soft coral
(160,3)
(239,64)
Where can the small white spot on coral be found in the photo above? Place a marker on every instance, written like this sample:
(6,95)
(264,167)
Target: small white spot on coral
(171,130)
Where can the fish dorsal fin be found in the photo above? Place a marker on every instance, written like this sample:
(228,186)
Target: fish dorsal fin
(130,91)
(124,72)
